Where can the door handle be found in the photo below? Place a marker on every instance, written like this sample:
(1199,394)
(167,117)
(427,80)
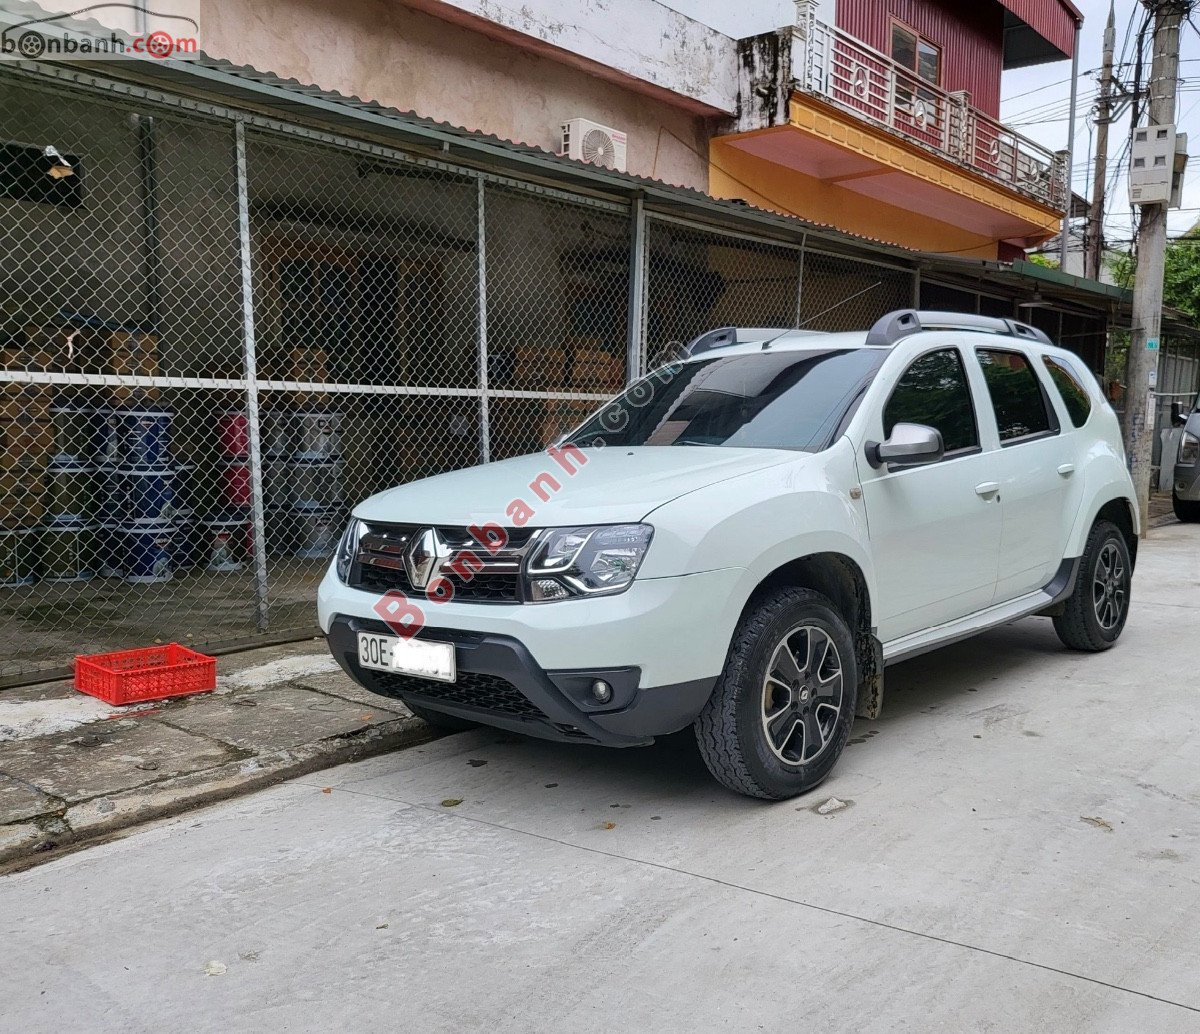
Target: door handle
(987,488)
(1067,469)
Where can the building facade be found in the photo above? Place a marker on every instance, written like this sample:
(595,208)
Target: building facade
(882,117)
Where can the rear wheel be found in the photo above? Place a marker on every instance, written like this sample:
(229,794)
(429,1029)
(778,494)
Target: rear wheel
(1095,612)
(779,717)
(445,722)
(1185,510)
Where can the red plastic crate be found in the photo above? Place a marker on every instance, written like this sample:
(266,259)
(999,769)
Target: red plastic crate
(151,673)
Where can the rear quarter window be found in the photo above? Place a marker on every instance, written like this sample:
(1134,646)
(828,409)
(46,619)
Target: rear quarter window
(1074,395)
(1019,399)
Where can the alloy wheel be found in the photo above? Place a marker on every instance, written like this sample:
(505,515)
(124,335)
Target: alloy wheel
(802,695)
(1110,587)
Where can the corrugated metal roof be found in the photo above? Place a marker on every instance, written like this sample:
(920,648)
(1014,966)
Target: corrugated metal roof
(242,84)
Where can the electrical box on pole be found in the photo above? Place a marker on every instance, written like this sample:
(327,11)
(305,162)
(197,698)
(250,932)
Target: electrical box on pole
(1157,161)
(1181,160)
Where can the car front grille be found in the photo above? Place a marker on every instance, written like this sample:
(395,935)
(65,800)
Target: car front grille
(381,564)
(477,689)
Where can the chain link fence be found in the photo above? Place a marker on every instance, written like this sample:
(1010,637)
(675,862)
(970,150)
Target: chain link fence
(217,336)
(557,312)
(698,278)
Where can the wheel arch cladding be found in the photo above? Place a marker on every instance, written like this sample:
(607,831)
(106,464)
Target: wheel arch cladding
(841,580)
(1119,512)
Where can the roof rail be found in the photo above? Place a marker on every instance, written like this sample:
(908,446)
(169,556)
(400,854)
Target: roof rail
(710,339)
(896,325)
(724,336)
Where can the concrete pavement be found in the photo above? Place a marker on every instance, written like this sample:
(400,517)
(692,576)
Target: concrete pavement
(73,769)
(1018,851)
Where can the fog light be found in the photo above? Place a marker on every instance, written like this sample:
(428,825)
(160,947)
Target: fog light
(549,589)
(602,691)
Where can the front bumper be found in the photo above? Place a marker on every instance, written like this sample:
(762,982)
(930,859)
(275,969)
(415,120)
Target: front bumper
(499,683)
(674,629)
(1186,482)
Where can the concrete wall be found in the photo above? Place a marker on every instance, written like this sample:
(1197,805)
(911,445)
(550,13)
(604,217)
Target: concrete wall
(641,40)
(414,61)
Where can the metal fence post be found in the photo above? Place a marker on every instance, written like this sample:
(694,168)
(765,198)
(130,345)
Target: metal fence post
(638,260)
(485,430)
(251,370)
(800,260)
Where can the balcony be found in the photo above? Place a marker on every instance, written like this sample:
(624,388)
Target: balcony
(836,132)
(842,71)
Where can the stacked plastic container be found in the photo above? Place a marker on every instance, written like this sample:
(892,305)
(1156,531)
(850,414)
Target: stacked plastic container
(229,544)
(143,501)
(315,482)
(69,544)
(26,447)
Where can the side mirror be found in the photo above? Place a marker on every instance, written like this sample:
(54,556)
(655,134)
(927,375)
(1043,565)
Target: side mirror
(911,445)
(1179,417)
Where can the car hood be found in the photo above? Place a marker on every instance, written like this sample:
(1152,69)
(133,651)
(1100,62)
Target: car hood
(616,484)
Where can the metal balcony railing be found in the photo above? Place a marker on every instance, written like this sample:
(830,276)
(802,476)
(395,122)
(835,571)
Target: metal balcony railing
(844,71)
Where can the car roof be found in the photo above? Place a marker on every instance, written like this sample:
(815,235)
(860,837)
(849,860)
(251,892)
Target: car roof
(887,332)
(757,340)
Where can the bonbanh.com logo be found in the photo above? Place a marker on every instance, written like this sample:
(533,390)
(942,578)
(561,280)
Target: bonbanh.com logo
(158,34)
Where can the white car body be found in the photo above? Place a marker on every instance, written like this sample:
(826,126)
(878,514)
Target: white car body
(943,550)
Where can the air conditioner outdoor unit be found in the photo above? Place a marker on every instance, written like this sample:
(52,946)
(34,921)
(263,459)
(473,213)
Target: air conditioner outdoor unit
(588,141)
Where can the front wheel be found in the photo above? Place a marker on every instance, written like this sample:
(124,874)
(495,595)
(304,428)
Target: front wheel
(1095,612)
(781,712)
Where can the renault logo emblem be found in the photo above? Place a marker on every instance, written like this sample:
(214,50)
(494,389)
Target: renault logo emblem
(423,560)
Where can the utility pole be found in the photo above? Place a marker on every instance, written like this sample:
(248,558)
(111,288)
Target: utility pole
(1104,115)
(1064,238)
(1141,369)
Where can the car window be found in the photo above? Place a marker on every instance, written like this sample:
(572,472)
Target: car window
(934,392)
(1074,394)
(1017,398)
(790,399)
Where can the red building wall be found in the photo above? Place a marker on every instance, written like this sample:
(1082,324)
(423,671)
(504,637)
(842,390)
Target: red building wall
(971,35)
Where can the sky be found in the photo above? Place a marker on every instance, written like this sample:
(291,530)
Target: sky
(1035,100)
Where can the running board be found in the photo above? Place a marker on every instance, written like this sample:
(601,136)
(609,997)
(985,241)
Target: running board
(1056,590)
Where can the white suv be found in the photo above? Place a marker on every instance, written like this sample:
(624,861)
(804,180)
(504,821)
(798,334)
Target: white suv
(744,539)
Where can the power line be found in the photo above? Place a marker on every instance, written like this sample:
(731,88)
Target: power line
(1044,86)
(1128,34)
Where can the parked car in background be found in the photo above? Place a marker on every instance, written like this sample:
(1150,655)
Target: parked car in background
(744,540)
(1185,484)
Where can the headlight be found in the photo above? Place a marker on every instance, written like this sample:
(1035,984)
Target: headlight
(347,549)
(589,561)
(1189,448)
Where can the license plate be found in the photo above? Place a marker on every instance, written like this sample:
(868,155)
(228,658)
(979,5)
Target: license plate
(407,656)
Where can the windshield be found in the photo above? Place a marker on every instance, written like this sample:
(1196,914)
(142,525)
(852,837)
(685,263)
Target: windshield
(761,400)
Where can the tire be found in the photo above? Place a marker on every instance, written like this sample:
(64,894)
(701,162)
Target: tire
(1095,612)
(807,737)
(445,722)
(1186,511)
